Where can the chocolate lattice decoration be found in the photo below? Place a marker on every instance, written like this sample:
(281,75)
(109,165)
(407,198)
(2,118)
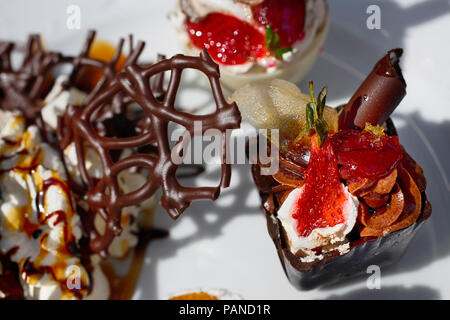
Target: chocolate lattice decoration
(25,87)
(143,85)
(108,68)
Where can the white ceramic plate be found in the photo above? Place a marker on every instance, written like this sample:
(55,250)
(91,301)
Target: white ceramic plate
(225,244)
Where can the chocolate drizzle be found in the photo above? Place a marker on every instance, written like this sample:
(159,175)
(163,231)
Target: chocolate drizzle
(378,96)
(143,85)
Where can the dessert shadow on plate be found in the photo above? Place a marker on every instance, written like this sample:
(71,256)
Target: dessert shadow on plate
(351,53)
(197,214)
(390,293)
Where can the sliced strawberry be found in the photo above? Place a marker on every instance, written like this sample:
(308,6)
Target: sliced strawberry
(286,17)
(320,203)
(229,41)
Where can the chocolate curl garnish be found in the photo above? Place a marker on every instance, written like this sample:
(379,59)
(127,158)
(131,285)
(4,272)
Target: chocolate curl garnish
(378,95)
(104,196)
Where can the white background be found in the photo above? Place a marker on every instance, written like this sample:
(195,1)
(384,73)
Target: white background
(225,244)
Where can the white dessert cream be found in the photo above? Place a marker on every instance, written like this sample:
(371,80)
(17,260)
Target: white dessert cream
(57,99)
(331,237)
(291,65)
(39,225)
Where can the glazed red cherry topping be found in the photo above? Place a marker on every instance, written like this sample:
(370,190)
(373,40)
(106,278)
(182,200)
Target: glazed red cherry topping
(362,154)
(320,203)
(229,41)
(286,17)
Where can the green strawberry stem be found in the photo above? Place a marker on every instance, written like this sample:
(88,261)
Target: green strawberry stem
(314,116)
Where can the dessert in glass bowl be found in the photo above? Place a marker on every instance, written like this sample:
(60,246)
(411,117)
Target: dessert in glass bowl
(346,194)
(254,40)
(83,149)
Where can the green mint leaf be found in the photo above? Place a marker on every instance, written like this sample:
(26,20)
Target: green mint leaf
(321,100)
(272,38)
(310,115)
(311,92)
(269,36)
(321,128)
(314,116)
(279,52)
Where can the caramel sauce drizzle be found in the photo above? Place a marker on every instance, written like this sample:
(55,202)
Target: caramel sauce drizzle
(122,286)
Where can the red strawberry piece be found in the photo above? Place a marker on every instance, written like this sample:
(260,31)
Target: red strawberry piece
(229,40)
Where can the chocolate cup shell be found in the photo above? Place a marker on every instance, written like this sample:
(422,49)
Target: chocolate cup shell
(335,268)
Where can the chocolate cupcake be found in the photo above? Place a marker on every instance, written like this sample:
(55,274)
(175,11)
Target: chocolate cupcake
(346,195)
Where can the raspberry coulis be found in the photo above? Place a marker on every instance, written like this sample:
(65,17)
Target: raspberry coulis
(320,203)
(286,17)
(229,40)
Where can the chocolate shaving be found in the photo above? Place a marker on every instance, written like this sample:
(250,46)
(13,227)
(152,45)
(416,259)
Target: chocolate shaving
(378,96)
(136,83)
